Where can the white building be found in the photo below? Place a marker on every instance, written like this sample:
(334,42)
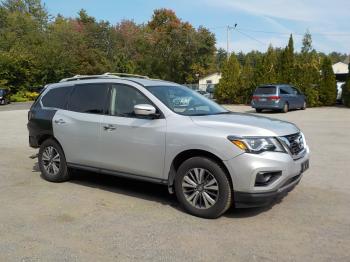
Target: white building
(212,79)
(340,68)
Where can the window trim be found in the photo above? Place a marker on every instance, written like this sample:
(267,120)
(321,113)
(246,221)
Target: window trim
(161,114)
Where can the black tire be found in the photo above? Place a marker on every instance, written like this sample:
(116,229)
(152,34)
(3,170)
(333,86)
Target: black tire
(285,108)
(258,110)
(224,194)
(304,106)
(62,174)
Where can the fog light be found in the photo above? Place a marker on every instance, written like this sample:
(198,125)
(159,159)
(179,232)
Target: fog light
(266,178)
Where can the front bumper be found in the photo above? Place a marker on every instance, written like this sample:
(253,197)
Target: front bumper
(245,168)
(244,200)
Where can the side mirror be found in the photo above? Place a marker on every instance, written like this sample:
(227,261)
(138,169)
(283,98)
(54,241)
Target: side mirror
(144,110)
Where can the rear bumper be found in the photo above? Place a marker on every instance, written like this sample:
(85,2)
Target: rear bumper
(246,200)
(33,142)
(267,105)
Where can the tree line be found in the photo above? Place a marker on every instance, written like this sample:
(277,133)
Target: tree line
(308,70)
(37,48)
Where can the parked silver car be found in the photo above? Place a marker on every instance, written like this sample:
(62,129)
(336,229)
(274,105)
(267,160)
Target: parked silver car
(136,128)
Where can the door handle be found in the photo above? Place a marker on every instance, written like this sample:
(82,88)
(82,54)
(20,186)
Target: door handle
(60,121)
(109,128)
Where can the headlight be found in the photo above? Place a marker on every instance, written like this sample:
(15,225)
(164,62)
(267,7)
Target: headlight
(257,145)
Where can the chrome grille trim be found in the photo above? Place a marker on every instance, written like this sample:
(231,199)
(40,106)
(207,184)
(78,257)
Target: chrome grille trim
(294,144)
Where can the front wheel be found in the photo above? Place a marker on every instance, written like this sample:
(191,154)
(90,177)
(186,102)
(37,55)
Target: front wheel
(258,110)
(52,162)
(202,187)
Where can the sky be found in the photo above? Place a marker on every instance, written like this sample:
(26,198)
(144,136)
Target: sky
(259,22)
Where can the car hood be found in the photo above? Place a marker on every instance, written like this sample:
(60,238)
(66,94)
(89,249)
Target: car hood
(239,124)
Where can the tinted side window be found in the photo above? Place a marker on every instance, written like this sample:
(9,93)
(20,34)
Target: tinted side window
(284,91)
(57,97)
(296,91)
(123,100)
(89,98)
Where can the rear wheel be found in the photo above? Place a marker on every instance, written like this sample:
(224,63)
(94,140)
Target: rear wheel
(304,106)
(52,162)
(285,108)
(203,188)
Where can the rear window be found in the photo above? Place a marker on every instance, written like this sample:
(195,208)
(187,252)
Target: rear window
(265,90)
(57,97)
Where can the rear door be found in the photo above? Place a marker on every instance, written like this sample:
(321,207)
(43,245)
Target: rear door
(129,143)
(78,127)
(287,94)
(299,98)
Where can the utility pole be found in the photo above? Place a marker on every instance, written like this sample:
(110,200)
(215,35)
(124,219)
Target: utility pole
(228,30)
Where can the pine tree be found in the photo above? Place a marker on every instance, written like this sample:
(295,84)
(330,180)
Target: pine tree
(269,62)
(287,63)
(328,91)
(346,91)
(307,43)
(307,71)
(228,90)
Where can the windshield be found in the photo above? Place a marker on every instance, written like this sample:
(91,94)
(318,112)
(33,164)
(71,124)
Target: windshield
(2,92)
(265,90)
(185,101)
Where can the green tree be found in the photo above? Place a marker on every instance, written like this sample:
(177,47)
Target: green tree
(346,91)
(287,63)
(307,71)
(228,90)
(328,90)
(220,59)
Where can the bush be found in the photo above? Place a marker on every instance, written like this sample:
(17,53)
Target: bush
(23,96)
(346,94)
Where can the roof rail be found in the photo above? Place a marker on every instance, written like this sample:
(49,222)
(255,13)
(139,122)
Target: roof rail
(125,75)
(82,77)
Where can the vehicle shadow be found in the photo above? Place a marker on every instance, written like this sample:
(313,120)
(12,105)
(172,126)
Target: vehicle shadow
(148,191)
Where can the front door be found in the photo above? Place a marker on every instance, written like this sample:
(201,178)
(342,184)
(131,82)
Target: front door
(131,144)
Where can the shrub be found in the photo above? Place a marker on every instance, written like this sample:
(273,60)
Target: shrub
(23,96)
(346,94)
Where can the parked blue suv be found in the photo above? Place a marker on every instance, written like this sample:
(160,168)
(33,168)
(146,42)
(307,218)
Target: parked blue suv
(281,97)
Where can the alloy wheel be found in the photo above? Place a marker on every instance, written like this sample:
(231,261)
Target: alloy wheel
(51,160)
(200,188)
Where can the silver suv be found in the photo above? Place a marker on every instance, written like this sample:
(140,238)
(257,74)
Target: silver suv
(162,132)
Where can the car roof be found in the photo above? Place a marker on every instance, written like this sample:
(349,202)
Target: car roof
(150,81)
(107,79)
(273,85)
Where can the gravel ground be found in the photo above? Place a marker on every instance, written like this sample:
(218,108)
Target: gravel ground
(103,218)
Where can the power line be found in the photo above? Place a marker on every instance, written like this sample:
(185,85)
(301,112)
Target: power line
(296,33)
(251,37)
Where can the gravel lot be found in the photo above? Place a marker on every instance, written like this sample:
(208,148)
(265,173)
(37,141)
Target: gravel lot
(103,218)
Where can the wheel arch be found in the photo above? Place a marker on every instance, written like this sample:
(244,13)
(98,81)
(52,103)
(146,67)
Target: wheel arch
(186,154)
(47,136)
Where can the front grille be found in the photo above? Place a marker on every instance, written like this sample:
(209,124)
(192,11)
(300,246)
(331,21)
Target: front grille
(295,143)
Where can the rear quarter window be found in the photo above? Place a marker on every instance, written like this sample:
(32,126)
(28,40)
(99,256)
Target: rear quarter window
(57,97)
(265,90)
